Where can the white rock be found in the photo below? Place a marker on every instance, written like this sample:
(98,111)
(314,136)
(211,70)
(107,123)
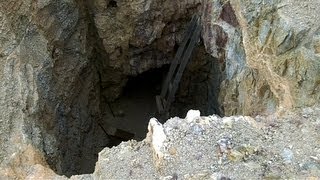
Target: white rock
(192,114)
(157,136)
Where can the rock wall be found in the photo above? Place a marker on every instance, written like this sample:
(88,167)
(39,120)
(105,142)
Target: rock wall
(62,61)
(49,93)
(270,49)
(137,36)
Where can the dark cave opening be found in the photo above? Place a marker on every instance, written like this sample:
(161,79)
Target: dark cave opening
(198,89)
(113,4)
(133,109)
(127,116)
(113,117)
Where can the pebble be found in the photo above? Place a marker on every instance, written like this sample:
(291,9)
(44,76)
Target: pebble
(287,155)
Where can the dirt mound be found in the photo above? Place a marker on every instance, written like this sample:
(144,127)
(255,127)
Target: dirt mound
(211,147)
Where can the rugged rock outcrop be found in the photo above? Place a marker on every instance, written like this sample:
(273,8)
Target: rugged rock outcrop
(270,52)
(47,77)
(63,63)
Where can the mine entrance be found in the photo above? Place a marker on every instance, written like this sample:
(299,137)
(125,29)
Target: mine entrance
(198,89)
(123,104)
(133,109)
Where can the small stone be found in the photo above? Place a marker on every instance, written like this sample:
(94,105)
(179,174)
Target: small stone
(228,122)
(192,114)
(247,150)
(172,151)
(224,144)
(235,156)
(311,166)
(287,155)
(197,129)
(166,178)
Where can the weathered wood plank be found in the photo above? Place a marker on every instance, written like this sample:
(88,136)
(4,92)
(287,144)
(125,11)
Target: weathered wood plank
(178,66)
(178,55)
(184,62)
(113,131)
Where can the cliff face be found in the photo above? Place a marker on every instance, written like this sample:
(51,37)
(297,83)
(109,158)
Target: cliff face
(63,62)
(46,79)
(270,49)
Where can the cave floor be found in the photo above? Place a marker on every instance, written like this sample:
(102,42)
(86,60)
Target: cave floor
(132,112)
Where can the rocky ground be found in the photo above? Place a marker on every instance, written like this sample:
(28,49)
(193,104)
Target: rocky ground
(281,146)
(237,147)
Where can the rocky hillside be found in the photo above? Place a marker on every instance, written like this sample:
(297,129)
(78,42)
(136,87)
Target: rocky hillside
(71,69)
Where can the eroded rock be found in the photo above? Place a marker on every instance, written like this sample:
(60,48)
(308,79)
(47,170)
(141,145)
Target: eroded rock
(257,39)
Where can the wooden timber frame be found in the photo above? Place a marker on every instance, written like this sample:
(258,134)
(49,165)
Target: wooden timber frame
(178,65)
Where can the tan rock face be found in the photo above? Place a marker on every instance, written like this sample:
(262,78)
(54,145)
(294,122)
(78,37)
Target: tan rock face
(46,78)
(270,50)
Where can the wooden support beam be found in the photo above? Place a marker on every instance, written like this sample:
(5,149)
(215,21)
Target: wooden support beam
(184,62)
(112,131)
(178,65)
(178,55)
